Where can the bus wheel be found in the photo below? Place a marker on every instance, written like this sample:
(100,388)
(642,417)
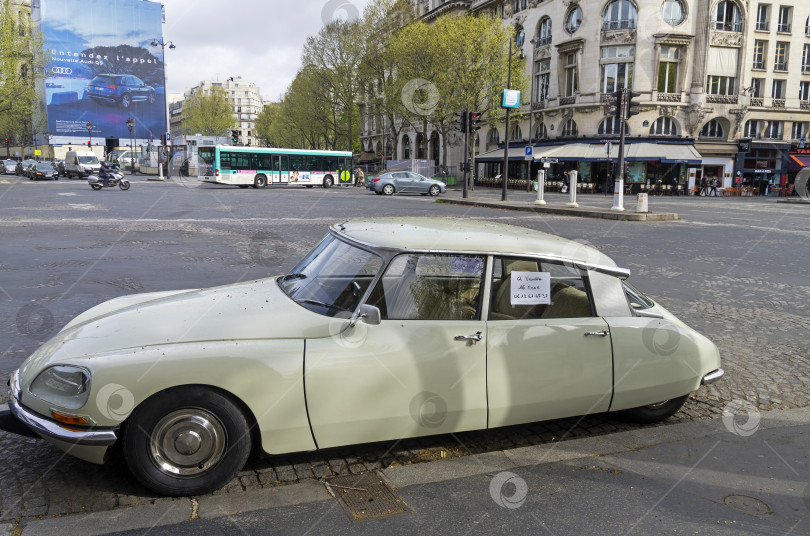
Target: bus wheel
(260,181)
(328,181)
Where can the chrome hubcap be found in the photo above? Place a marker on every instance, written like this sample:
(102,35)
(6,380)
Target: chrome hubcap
(187,442)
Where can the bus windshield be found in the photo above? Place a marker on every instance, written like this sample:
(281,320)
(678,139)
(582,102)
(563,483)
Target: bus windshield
(206,160)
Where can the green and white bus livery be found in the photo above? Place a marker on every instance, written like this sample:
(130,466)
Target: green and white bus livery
(258,166)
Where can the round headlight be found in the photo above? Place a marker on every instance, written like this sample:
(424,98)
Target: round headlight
(62,385)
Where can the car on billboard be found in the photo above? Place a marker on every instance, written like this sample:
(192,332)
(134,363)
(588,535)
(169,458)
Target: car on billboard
(123,89)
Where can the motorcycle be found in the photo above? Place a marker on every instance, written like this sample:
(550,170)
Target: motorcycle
(115,178)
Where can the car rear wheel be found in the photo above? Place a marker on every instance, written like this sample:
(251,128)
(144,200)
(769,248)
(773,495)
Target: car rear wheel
(388,189)
(435,190)
(186,441)
(126,100)
(655,412)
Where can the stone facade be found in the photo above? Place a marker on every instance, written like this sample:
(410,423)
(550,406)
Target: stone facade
(246,100)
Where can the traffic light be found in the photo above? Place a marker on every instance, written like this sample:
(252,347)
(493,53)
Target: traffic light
(163,139)
(617,109)
(631,104)
(461,123)
(235,136)
(474,122)
(89,145)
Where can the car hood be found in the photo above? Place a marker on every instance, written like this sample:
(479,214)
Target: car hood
(255,310)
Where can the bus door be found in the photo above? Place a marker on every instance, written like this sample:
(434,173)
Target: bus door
(284,168)
(344,173)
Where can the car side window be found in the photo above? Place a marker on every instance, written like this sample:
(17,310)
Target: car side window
(430,287)
(568,294)
(399,175)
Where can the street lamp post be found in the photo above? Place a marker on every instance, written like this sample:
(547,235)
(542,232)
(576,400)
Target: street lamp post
(163,44)
(534,41)
(518,40)
(89,127)
(131,126)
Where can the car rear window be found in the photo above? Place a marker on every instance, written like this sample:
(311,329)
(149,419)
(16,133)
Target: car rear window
(105,80)
(637,299)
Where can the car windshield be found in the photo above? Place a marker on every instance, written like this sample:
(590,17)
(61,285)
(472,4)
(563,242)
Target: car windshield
(332,278)
(44,167)
(88,160)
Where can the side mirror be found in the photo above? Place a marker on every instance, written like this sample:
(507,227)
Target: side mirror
(370,315)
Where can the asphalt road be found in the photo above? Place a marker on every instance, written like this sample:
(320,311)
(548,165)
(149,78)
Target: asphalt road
(735,269)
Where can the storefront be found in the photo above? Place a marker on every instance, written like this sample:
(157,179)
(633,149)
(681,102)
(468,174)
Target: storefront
(798,159)
(764,166)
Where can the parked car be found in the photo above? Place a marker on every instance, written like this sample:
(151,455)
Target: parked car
(405,182)
(9,167)
(42,171)
(20,167)
(123,89)
(387,329)
(59,165)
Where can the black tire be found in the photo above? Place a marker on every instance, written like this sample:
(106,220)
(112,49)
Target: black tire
(124,184)
(260,181)
(215,453)
(435,190)
(388,189)
(96,186)
(56,178)
(126,100)
(654,412)
(328,181)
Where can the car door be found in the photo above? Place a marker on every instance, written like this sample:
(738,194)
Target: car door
(401,181)
(548,355)
(420,371)
(418,183)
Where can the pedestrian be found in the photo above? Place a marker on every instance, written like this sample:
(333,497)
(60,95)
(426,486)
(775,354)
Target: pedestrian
(714,187)
(360,177)
(704,186)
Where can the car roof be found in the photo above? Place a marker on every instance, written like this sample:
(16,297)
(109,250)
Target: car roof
(472,236)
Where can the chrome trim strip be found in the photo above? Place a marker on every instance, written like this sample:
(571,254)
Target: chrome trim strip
(52,430)
(712,376)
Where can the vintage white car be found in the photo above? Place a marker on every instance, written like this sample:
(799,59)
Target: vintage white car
(387,329)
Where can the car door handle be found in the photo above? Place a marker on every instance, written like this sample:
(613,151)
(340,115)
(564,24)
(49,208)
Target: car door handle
(474,338)
(602,333)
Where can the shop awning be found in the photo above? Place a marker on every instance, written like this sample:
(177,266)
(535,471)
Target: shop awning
(669,153)
(797,162)
(367,157)
(515,153)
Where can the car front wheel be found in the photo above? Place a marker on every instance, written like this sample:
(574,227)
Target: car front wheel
(388,189)
(186,441)
(655,412)
(126,100)
(434,190)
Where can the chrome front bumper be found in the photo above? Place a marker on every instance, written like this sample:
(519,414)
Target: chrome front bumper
(712,377)
(52,430)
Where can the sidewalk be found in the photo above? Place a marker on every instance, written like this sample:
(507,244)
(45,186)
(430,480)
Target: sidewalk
(744,474)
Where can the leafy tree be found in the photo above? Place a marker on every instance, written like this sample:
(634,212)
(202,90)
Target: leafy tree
(22,64)
(208,114)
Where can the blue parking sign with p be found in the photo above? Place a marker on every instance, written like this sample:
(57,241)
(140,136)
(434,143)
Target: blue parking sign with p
(528,150)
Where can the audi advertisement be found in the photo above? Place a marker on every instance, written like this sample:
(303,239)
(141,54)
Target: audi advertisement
(102,68)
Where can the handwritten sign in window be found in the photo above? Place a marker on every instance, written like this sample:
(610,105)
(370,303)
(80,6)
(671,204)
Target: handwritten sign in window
(531,288)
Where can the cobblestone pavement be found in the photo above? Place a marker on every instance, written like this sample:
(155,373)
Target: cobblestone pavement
(735,272)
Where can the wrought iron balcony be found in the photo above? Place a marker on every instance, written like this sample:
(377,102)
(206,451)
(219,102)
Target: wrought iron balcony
(626,24)
(722,99)
(669,97)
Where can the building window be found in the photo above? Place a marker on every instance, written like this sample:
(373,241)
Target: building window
(517,133)
(785,16)
(778,91)
(727,17)
(543,70)
(760,53)
(757,90)
(762,17)
(541,132)
(544,32)
(720,85)
(573,20)
(570,129)
(806,59)
(669,67)
(804,91)
(494,136)
(664,126)
(520,5)
(807,26)
(673,12)
(799,131)
(752,129)
(617,68)
(712,129)
(571,77)
(619,15)
(781,61)
(773,131)
(610,126)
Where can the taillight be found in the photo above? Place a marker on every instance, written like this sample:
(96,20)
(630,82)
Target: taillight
(375,180)
(111,87)
(217,172)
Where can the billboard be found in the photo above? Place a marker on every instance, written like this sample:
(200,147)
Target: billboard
(102,68)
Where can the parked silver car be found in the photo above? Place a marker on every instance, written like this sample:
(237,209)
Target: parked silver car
(397,182)
(8,167)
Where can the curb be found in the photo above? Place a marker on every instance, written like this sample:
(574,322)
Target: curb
(566,211)
(167,511)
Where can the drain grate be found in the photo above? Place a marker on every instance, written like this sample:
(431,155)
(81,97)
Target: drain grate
(747,505)
(365,496)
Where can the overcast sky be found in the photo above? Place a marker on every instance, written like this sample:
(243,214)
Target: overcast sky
(259,40)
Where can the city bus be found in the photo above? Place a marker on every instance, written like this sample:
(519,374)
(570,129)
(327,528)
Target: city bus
(260,166)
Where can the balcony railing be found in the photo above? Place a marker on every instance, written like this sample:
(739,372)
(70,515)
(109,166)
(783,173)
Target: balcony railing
(721,99)
(783,28)
(564,101)
(757,101)
(758,65)
(780,66)
(778,103)
(669,97)
(626,24)
(541,41)
(539,105)
(727,26)
(806,68)
(762,26)
(804,105)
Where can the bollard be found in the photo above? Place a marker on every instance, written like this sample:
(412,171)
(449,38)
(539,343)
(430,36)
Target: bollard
(572,184)
(642,203)
(541,186)
(618,196)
